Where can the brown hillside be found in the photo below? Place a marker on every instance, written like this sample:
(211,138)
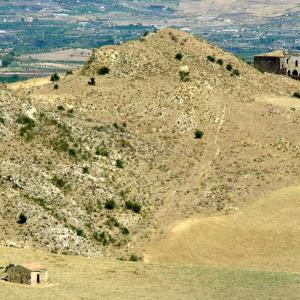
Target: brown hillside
(130,137)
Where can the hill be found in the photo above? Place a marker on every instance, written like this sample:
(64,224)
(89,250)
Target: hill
(101,169)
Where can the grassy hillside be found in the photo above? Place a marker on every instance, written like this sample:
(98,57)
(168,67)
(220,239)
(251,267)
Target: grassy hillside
(100,168)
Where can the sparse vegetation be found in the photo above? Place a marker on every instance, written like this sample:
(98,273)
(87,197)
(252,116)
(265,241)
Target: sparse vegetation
(134,257)
(92,81)
(102,151)
(103,71)
(179,56)
(134,206)
(220,62)
(198,133)
(110,204)
(54,77)
(184,75)
(29,126)
(236,73)
(211,58)
(2,120)
(296,95)
(120,163)
(229,67)
(22,219)
(58,182)
(103,237)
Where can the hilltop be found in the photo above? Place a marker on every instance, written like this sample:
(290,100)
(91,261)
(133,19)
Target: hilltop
(102,169)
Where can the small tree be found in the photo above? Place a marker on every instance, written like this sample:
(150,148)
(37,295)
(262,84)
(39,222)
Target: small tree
(92,81)
(236,73)
(211,58)
(229,67)
(178,56)
(54,77)
(220,62)
(198,134)
(22,218)
(110,204)
(103,71)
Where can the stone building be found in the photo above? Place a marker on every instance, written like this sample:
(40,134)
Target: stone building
(31,274)
(279,62)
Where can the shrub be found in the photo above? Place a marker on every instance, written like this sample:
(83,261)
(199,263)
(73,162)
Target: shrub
(2,120)
(22,218)
(146,33)
(110,204)
(58,182)
(211,58)
(80,232)
(60,107)
(296,95)
(55,86)
(229,67)
(198,134)
(236,73)
(184,76)
(72,152)
(29,125)
(54,77)
(124,230)
(178,56)
(134,257)
(69,72)
(85,170)
(220,62)
(134,206)
(102,237)
(92,81)
(120,163)
(102,151)
(103,71)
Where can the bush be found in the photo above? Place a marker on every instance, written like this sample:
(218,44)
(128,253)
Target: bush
(69,72)
(211,58)
(58,182)
(120,163)
(134,257)
(102,237)
(92,81)
(198,134)
(184,76)
(72,152)
(134,206)
(103,71)
(102,151)
(296,95)
(220,62)
(229,67)
(236,73)
(178,56)
(80,232)
(56,87)
(110,204)
(22,218)
(2,120)
(54,77)
(124,230)
(85,170)
(29,125)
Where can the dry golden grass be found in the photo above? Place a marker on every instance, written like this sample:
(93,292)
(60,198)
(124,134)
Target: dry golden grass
(84,278)
(265,235)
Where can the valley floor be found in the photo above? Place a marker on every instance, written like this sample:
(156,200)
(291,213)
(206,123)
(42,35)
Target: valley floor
(84,278)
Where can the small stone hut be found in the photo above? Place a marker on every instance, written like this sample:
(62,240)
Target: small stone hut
(32,274)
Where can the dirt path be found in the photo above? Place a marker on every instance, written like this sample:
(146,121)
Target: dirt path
(264,236)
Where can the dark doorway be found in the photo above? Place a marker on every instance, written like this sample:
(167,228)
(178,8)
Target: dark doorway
(38,278)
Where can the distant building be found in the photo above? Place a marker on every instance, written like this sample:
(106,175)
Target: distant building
(279,62)
(32,274)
